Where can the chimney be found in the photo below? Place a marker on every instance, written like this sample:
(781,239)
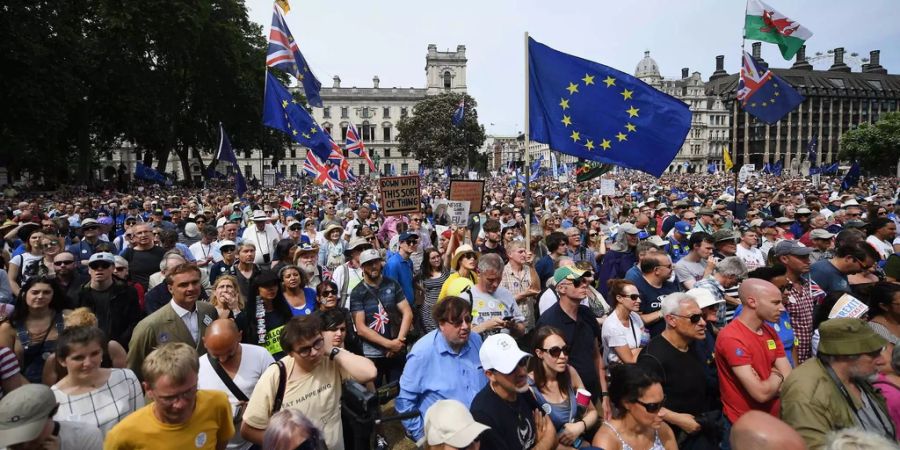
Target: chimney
(432,49)
(757,54)
(720,68)
(839,65)
(461,50)
(375,81)
(336,82)
(874,65)
(684,72)
(801,63)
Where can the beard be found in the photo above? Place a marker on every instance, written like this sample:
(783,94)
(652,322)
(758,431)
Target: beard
(309,269)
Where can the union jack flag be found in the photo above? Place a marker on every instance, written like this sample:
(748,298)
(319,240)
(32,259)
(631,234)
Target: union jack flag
(381,319)
(340,163)
(816,292)
(355,145)
(284,54)
(752,78)
(322,172)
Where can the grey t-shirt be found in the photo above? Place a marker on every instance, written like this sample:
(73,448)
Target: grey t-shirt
(873,420)
(687,270)
(79,436)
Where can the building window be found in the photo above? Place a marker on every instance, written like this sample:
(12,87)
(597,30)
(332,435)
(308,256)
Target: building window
(361,169)
(229,170)
(328,130)
(343,133)
(403,112)
(345,112)
(326,112)
(447,78)
(293,153)
(283,169)
(248,171)
(387,168)
(387,153)
(365,112)
(293,170)
(404,168)
(367,131)
(386,112)
(387,133)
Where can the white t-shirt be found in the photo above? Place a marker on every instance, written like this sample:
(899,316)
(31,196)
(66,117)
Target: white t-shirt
(355,276)
(884,248)
(254,361)
(265,241)
(201,251)
(499,305)
(614,334)
(752,257)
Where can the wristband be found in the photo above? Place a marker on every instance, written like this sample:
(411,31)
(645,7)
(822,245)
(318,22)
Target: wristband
(604,394)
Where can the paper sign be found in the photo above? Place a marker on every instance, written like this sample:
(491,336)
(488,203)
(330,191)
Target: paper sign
(399,195)
(458,210)
(473,175)
(607,186)
(468,190)
(848,306)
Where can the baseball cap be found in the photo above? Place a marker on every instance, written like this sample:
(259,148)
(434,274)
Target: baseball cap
(704,298)
(88,222)
(784,220)
(226,243)
(756,222)
(803,211)
(767,224)
(450,422)
(24,413)
(657,241)
(407,237)
(682,227)
(847,336)
(629,228)
(855,223)
(369,255)
(788,247)
(501,353)
(820,233)
(567,273)
(102,257)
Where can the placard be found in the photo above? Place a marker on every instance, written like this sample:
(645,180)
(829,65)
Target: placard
(470,190)
(268,177)
(457,210)
(400,195)
(607,186)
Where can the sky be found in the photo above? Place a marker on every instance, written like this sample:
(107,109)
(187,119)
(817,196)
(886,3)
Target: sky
(359,39)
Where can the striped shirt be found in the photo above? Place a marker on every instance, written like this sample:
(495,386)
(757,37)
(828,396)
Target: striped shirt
(105,406)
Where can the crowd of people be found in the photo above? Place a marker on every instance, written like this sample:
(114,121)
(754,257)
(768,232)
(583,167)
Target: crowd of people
(676,313)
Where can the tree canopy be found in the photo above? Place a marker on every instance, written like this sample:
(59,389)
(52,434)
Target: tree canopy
(875,146)
(430,136)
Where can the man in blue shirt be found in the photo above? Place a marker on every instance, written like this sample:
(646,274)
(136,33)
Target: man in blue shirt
(399,267)
(444,364)
(852,258)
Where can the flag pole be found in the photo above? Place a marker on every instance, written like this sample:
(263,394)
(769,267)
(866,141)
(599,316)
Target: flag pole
(743,46)
(526,157)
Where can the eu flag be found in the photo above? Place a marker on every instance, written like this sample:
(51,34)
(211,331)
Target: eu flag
(226,153)
(851,178)
(282,112)
(591,111)
(764,95)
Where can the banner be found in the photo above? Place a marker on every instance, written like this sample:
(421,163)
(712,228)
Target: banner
(458,210)
(607,187)
(470,190)
(400,195)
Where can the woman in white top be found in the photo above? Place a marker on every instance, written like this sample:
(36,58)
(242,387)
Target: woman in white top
(26,265)
(623,330)
(881,232)
(90,393)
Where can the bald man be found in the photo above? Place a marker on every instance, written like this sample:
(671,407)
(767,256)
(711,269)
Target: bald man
(233,368)
(750,357)
(760,431)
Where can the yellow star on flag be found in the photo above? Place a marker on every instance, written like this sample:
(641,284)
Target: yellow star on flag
(575,136)
(305,135)
(588,79)
(632,112)
(606,144)
(626,94)
(294,132)
(564,102)
(610,81)
(566,120)
(777,93)
(313,130)
(621,137)
(630,127)
(573,88)
(765,104)
(284,103)
(589,145)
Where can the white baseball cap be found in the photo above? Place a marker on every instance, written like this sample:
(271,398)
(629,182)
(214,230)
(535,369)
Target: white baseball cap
(704,297)
(450,422)
(501,353)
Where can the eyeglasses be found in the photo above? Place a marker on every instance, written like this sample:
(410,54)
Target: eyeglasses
(100,265)
(555,351)
(633,297)
(862,265)
(63,263)
(171,399)
(689,219)
(468,255)
(787,287)
(467,318)
(416,220)
(306,350)
(652,407)
(694,318)
(328,293)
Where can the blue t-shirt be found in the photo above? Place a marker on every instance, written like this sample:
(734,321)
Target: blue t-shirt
(828,277)
(379,307)
(310,306)
(400,270)
(651,301)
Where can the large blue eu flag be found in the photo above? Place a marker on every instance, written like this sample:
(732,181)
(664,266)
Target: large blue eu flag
(282,112)
(595,112)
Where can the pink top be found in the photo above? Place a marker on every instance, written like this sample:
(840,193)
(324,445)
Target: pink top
(891,393)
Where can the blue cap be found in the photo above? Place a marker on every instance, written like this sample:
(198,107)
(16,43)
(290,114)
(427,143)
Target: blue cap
(682,227)
(407,236)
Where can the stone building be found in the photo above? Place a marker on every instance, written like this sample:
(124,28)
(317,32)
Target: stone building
(837,100)
(709,132)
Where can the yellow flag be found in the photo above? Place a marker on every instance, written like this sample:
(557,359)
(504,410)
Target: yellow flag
(284,5)
(727,159)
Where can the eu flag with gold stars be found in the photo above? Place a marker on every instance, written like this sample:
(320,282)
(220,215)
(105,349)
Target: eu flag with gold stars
(282,112)
(585,109)
(764,95)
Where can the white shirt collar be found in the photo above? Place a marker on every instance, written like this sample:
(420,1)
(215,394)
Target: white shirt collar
(179,310)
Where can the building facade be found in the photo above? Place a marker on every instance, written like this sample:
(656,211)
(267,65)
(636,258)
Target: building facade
(836,101)
(709,132)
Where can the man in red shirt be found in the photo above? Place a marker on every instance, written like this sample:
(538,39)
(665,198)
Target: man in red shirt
(749,354)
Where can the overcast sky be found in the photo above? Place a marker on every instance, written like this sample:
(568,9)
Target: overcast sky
(358,39)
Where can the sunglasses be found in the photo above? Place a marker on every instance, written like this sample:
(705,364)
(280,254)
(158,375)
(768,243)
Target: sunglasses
(328,292)
(652,407)
(633,297)
(555,351)
(690,219)
(458,322)
(577,282)
(100,265)
(694,318)
(416,220)
(295,228)
(63,263)
(89,228)
(468,255)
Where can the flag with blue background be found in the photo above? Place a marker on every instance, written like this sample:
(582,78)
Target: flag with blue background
(282,112)
(585,109)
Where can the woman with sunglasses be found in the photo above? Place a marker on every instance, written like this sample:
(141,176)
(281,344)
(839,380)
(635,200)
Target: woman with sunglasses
(464,263)
(637,398)
(52,246)
(35,325)
(623,333)
(554,384)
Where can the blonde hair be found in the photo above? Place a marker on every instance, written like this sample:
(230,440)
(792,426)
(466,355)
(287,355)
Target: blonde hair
(233,280)
(80,317)
(176,359)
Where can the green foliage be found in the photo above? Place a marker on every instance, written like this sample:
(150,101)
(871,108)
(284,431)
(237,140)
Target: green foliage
(876,147)
(430,136)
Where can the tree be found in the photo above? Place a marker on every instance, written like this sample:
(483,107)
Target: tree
(876,147)
(430,136)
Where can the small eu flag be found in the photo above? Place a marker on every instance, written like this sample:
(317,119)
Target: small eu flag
(282,112)
(460,113)
(591,111)
(851,178)
(764,95)
(226,153)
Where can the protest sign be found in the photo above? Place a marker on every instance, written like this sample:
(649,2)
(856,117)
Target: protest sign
(457,210)
(399,195)
(470,190)
(607,186)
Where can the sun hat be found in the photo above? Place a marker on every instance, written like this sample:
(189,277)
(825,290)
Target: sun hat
(789,247)
(848,336)
(704,298)
(461,250)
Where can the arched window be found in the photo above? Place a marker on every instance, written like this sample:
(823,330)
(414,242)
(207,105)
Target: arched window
(447,78)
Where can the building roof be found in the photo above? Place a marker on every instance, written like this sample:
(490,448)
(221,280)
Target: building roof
(647,67)
(822,83)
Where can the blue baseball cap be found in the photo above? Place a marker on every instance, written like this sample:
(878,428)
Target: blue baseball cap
(682,227)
